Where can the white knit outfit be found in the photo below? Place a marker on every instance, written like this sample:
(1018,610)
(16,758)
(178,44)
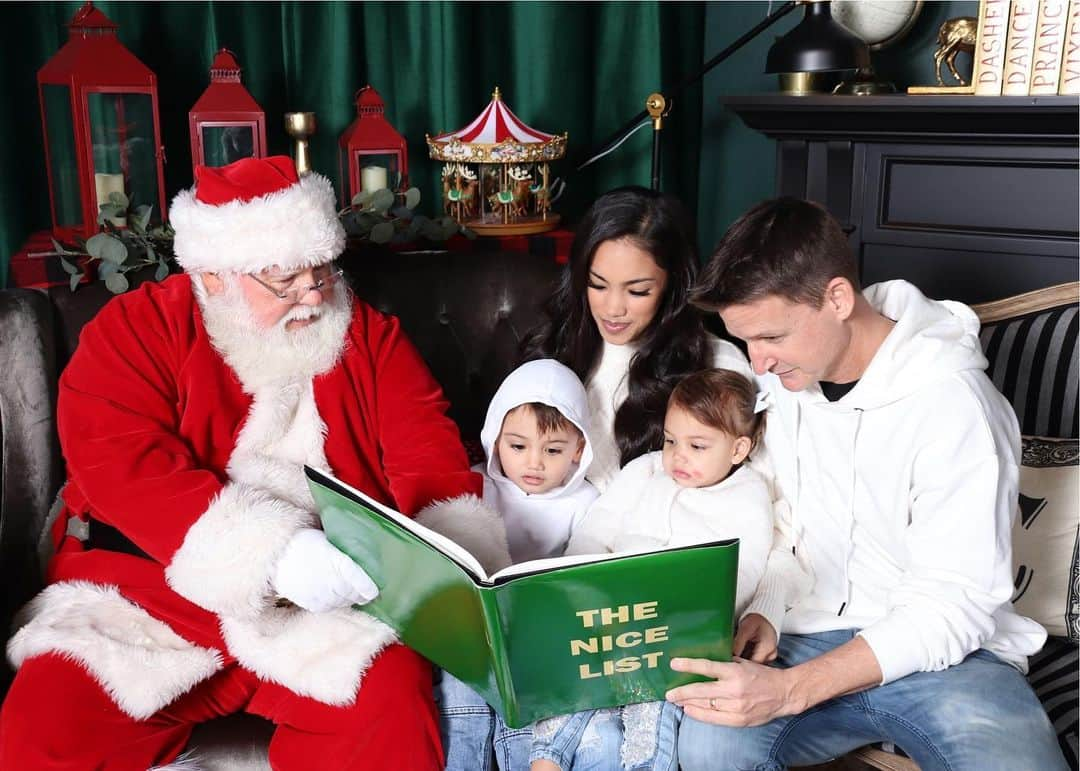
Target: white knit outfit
(645,509)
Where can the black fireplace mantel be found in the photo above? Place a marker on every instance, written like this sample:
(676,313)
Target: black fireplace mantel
(903,117)
(970,197)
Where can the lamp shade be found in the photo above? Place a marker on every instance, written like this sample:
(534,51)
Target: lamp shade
(818,43)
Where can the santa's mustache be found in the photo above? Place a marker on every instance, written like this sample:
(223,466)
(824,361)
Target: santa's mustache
(301,313)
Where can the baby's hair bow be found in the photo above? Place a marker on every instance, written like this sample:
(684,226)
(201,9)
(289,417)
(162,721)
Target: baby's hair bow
(764,399)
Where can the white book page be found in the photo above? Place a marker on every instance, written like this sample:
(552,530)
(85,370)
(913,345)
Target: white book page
(467,560)
(551,563)
(440,542)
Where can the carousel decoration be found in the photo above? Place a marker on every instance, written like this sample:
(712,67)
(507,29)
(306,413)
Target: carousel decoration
(496,176)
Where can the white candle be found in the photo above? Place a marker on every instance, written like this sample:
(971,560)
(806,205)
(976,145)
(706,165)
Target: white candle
(105,184)
(372,178)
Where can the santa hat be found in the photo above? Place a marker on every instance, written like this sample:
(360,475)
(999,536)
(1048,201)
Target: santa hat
(255,214)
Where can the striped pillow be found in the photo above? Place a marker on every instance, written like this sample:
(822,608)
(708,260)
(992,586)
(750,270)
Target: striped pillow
(1033,363)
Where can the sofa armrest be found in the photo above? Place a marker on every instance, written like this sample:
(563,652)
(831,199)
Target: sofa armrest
(30,463)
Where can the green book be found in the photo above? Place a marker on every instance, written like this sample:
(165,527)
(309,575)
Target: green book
(541,638)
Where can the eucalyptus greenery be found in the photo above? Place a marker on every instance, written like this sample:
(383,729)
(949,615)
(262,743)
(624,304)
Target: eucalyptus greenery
(120,250)
(379,216)
(376,216)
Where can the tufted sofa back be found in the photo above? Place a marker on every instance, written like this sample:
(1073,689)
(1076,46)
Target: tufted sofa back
(465,312)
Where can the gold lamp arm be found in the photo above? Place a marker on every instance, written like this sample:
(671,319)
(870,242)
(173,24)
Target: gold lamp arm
(656,106)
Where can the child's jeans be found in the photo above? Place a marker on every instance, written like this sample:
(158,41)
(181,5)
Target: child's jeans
(642,737)
(471,730)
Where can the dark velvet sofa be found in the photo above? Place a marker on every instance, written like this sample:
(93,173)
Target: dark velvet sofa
(466,312)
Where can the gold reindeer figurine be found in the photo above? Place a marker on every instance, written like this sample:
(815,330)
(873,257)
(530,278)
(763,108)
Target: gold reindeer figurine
(955,35)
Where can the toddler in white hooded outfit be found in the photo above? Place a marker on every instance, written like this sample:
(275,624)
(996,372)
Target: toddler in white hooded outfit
(538,451)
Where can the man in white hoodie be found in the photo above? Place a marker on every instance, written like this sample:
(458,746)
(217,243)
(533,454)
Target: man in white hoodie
(898,462)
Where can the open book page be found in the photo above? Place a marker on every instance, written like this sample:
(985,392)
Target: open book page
(554,563)
(440,542)
(456,552)
(550,563)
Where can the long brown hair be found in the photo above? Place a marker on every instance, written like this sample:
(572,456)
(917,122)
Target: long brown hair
(674,344)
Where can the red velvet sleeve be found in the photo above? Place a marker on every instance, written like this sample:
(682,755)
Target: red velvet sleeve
(118,423)
(422,455)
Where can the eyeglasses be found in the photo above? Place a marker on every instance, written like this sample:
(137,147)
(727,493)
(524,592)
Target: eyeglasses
(289,291)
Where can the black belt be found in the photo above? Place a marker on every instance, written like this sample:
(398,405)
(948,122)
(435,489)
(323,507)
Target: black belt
(104,536)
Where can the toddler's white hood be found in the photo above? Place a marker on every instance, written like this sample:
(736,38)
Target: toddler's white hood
(545,381)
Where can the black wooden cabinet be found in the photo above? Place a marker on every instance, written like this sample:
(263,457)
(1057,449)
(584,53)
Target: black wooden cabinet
(971,198)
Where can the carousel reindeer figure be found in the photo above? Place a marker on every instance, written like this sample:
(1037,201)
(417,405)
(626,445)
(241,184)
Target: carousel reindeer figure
(522,184)
(490,181)
(467,184)
(501,202)
(955,35)
(540,197)
(450,194)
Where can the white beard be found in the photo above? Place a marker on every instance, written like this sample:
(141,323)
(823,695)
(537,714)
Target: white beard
(274,356)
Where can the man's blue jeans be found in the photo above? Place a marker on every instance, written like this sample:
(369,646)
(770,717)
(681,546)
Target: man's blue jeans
(979,715)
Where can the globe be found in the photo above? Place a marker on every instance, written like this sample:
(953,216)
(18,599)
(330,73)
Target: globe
(879,22)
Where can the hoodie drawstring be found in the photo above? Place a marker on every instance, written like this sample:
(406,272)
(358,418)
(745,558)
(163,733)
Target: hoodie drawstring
(851,512)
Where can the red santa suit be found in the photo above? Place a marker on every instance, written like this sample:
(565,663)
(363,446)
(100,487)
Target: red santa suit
(202,473)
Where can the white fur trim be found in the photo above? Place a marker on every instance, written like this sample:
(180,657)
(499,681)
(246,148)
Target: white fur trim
(294,228)
(282,433)
(226,561)
(471,524)
(185,762)
(321,655)
(138,660)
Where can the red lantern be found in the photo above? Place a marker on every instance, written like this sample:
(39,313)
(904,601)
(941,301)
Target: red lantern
(226,124)
(99,114)
(373,155)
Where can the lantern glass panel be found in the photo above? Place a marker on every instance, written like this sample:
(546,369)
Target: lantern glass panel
(124,153)
(377,170)
(224,143)
(63,162)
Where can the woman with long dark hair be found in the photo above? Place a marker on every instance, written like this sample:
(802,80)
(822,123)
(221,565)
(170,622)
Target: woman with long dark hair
(620,319)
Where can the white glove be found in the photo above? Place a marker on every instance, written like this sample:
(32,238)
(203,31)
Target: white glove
(315,575)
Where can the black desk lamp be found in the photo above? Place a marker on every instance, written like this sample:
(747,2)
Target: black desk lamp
(816,44)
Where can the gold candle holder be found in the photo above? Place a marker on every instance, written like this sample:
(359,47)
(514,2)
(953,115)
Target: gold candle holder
(300,126)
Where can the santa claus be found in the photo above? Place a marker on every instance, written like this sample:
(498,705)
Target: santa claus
(191,578)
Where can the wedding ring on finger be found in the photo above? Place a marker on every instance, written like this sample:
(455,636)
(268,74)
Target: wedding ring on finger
(712,704)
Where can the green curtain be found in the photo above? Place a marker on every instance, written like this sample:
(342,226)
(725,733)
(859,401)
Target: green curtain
(585,68)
